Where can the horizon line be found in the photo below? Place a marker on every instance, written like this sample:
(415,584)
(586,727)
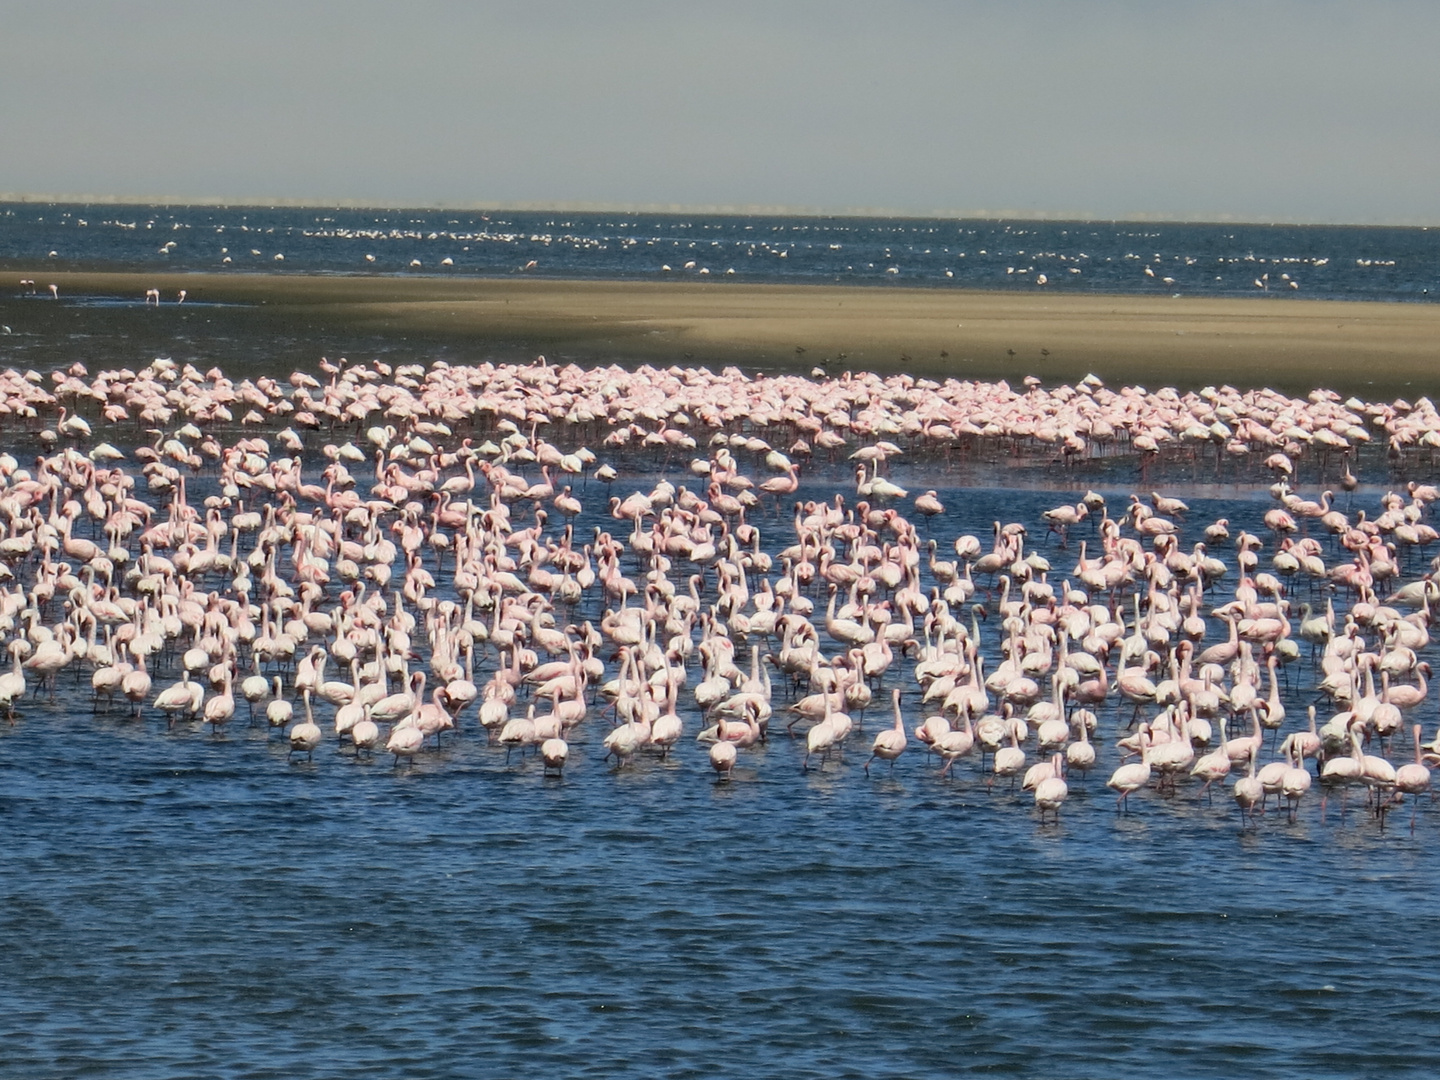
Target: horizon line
(727,209)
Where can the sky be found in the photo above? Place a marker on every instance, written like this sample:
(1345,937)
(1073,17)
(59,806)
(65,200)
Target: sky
(1283,111)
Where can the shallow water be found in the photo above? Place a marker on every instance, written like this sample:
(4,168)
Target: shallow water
(174,903)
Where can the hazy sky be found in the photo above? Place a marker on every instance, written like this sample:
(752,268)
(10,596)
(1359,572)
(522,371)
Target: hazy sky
(1294,111)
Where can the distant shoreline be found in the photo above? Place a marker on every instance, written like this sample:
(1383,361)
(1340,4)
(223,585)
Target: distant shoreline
(505,206)
(1369,348)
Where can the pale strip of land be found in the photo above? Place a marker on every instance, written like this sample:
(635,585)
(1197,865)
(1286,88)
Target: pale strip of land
(1282,341)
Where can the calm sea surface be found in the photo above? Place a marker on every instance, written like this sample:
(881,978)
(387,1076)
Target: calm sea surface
(180,904)
(1190,259)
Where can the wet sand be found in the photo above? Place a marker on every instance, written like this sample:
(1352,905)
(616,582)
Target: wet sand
(1374,349)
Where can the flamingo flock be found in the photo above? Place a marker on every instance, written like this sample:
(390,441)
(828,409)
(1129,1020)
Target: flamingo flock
(366,560)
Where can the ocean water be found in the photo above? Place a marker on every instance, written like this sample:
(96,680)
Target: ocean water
(175,903)
(1370,263)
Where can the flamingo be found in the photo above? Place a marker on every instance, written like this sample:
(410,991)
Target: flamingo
(1051,792)
(1248,791)
(1132,777)
(722,757)
(305,736)
(279,712)
(365,734)
(178,699)
(554,752)
(1413,778)
(889,744)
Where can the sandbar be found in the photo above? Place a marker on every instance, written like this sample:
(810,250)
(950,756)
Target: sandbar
(1290,343)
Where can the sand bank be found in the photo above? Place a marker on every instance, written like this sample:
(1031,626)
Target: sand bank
(1377,349)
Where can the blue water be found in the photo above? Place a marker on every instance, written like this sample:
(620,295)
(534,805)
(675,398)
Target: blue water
(174,903)
(177,904)
(1370,263)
